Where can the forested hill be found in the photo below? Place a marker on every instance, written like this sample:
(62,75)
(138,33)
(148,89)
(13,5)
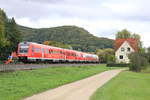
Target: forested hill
(77,37)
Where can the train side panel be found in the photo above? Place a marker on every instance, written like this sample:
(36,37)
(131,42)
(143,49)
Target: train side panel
(28,51)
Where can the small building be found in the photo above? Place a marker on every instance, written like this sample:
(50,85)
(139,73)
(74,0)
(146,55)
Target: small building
(123,47)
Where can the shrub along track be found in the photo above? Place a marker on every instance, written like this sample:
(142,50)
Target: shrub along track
(13,67)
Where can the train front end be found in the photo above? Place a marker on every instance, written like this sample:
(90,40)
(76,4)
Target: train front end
(23,51)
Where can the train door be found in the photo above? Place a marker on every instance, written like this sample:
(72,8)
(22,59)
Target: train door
(42,53)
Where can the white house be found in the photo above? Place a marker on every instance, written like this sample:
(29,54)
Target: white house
(123,47)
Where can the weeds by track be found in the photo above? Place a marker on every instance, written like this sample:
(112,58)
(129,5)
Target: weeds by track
(13,67)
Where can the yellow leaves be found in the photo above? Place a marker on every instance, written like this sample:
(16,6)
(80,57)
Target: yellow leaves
(57,44)
(3,42)
(46,43)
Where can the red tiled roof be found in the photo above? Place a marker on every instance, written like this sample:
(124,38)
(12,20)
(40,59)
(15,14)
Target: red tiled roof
(133,43)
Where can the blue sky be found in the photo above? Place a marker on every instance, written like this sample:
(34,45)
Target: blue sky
(101,18)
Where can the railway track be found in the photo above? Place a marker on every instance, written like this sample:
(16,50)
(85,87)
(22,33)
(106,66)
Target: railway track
(13,67)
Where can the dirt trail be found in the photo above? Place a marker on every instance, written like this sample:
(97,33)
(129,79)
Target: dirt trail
(79,90)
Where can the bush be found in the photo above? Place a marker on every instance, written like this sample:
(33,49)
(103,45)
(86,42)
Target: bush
(1,62)
(117,65)
(111,58)
(147,56)
(137,62)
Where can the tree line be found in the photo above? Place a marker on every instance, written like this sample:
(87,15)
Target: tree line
(9,35)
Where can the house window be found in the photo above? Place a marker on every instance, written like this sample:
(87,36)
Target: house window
(121,56)
(122,49)
(128,49)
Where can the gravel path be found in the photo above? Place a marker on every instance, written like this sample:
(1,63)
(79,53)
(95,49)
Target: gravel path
(11,67)
(79,90)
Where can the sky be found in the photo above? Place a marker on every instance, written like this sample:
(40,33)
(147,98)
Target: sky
(102,18)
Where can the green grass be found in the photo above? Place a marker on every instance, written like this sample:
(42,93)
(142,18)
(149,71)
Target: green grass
(147,70)
(126,86)
(20,84)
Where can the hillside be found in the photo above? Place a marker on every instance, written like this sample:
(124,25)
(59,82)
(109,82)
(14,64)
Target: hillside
(78,38)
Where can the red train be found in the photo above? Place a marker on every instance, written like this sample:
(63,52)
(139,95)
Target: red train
(34,52)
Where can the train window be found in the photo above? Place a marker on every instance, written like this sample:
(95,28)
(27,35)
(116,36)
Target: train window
(69,54)
(78,55)
(37,50)
(43,51)
(23,50)
(53,51)
(61,52)
(46,51)
(33,49)
(73,54)
(58,52)
(50,51)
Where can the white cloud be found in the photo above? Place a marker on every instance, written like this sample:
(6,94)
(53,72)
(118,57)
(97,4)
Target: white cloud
(100,17)
(101,28)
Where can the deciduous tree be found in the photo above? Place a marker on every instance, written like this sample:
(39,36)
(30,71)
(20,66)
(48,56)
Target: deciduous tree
(123,34)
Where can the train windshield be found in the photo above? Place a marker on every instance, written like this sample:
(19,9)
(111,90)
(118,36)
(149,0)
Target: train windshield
(23,48)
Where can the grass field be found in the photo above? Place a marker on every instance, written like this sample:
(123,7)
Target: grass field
(20,84)
(126,86)
(147,70)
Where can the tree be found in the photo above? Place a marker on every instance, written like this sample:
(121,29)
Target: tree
(9,36)
(137,62)
(126,34)
(106,55)
(13,34)
(111,58)
(138,37)
(123,34)
(3,40)
(146,54)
